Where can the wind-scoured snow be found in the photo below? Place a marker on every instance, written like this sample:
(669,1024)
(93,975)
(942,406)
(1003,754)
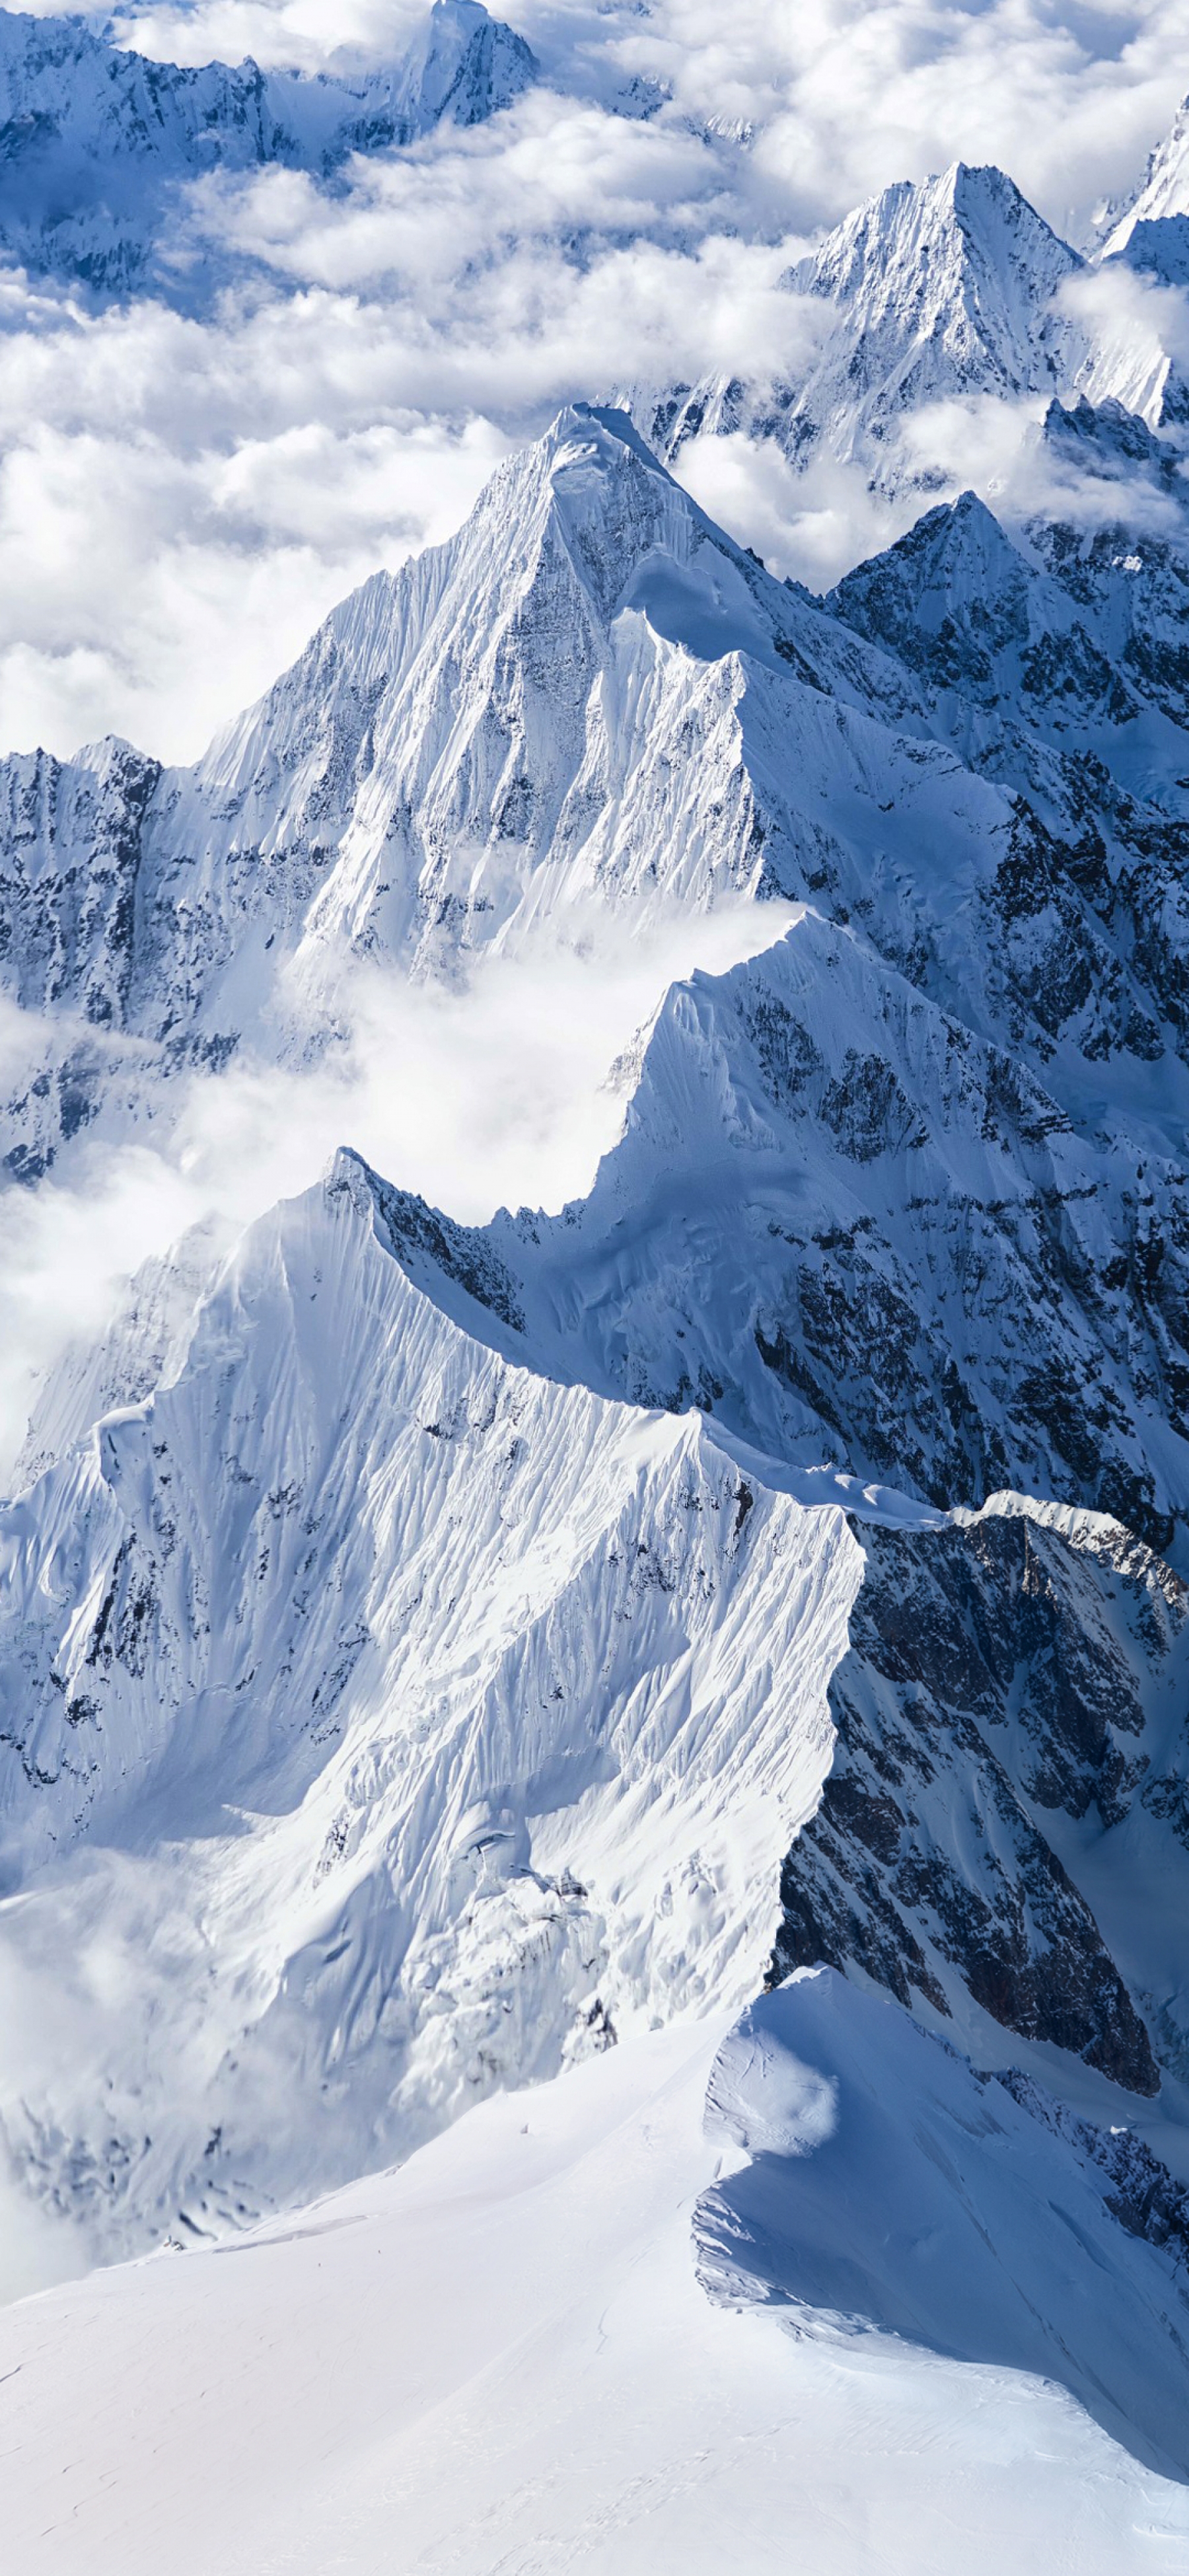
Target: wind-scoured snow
(891,2187)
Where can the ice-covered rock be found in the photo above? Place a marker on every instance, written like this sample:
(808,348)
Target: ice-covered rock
(936,289)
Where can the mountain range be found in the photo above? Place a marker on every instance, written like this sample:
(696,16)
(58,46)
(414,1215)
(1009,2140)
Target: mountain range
(98,144)
(436,1656)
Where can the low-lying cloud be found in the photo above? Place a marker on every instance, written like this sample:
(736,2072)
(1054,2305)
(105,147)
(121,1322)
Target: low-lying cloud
(497,1093)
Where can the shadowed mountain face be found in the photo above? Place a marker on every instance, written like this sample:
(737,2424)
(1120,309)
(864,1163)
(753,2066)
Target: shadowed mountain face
(1011,1777)
(891,2185)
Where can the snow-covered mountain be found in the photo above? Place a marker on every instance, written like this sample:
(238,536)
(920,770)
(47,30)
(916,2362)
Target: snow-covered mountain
(943,292)
(935,289)
(431,1655)
(501,730)
(591,697)
(358,1661)
(857,1233)
(96,142)
(448,1722)
(671,1709)
(1151,230)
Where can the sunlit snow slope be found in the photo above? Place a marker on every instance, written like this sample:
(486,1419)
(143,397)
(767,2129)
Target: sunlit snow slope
(500,2358)
(381,1723)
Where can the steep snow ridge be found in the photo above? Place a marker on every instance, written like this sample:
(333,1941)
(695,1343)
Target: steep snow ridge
(1073,639)
(543,712)
(942,287)
(1054,658)
(554,710)
(939,292)
(1163,196)
(1056,664)
(592,698)
(443,1722)
(96,143)
(891,2185)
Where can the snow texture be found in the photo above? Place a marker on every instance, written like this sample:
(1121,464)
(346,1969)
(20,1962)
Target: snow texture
(445,1723)
(439,1660)
(891,2186)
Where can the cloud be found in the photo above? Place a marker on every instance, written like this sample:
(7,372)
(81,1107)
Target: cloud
(152,594)
(493,1093)
(184,494)
(811,525)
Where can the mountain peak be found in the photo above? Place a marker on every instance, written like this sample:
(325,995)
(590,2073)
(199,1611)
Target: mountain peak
(962,247)
(465,66)
(941,287)
(1163,191)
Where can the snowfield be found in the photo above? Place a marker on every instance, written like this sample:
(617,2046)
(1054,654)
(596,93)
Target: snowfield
(499,2358)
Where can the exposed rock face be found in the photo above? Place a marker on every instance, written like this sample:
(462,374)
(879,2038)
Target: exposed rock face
(1011,1723)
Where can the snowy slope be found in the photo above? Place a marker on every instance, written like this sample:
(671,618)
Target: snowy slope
(245,1706)
(1152,231)
(443,1722)
(851,1231)
(890,2184)
(96,143)
(942,295)
(500,2357)
(547,713)
(589,700)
